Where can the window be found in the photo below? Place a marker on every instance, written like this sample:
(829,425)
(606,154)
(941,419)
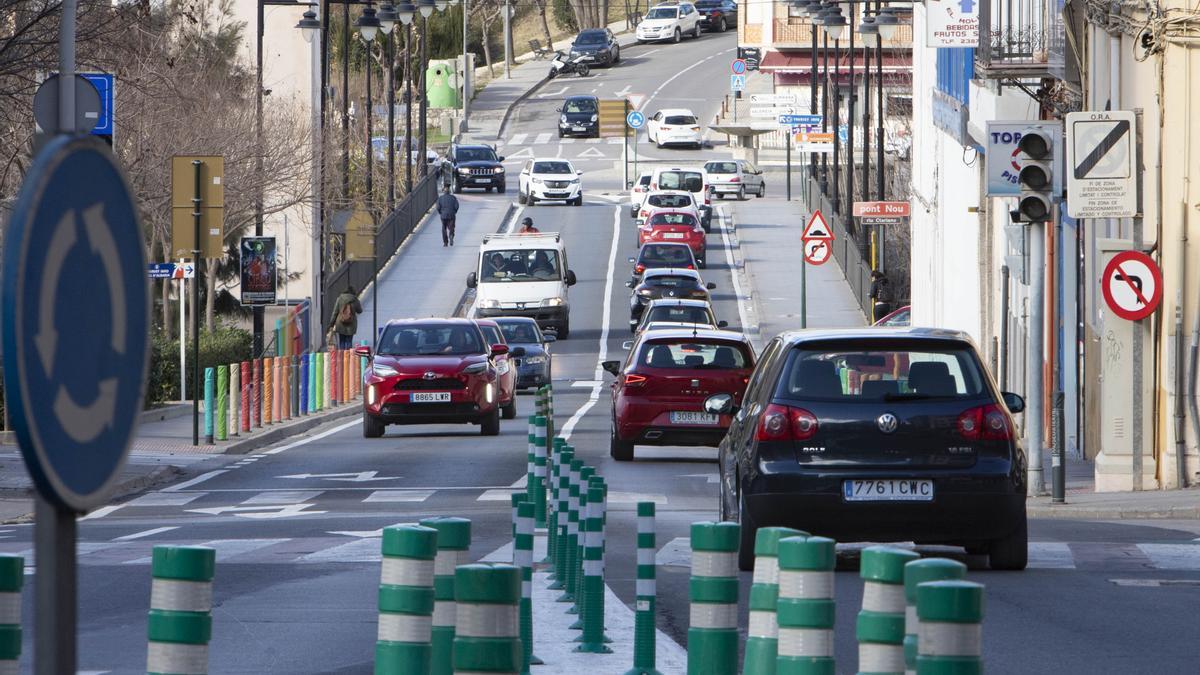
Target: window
(580,105)
(721,167)
(492,335)
(591,37)
(430,339)
(680,201)
(691,181)
(671,281)
(673,219)
(680,120)
(663,13)
(520,265)
(552,167)
(692,354)
(475,155)
(666,255)
(684,314)
(883,372)
(520,332)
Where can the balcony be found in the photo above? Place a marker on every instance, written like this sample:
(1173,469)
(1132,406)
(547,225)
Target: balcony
(1017,43)
(796,33)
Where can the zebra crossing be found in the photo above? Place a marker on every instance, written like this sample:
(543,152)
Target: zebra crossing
(546,138)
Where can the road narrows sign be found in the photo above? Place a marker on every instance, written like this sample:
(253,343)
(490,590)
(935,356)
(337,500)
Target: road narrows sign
(1102,164)
(1132,285)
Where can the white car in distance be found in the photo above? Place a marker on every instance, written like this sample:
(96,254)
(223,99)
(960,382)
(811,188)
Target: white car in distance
(549,179)
(735,177)
(674,126)
(669,22)
(638,190)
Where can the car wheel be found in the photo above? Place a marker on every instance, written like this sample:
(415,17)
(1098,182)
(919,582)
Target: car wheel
(578,201)
(677,36)
(522,198)
(564,331)
(696,32)
(490,425)
(1011,552)
(762,189)
(616,55)
(748,532)
(560,134)
(742,194)
(721,25)
(501,188)
(373,427)
(620,450)
(509,412)
(584,70)
(457,187)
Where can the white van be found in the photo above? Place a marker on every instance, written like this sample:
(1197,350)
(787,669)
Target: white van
(524,275)
(694,179)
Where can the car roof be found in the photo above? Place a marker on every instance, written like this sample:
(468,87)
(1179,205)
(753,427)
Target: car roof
(677,111)
(688,331)
(797,337)
(431,321)
(654,193)
(678,302)
(582,96)
(487,322)
(514,319)
(663,243)
(670,325)
(668,210)
(671,272)
(551,159)
(513,240)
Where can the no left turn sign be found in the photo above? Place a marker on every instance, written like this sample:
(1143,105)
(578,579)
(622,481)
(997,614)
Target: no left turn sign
(1132,285)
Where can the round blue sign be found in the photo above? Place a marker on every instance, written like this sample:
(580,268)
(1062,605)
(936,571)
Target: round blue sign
(75,327)
(635,120)
(738,66)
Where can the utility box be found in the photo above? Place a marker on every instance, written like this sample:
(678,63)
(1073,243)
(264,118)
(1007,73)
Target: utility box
(442,84)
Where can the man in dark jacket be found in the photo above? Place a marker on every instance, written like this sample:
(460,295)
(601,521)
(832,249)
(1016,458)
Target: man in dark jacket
(345,317)
(447,208)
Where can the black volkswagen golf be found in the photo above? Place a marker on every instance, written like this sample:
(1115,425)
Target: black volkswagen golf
(876,435)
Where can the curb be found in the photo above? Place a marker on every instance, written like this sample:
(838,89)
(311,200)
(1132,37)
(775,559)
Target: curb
(742,268)
(275,434)
(1082,512)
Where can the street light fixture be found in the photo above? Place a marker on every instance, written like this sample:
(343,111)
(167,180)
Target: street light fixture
(887,22)
(442,5)
(387,17)
(835,25)
(309,25)
(426,8)
(368,24)
(869,32)
(404,12)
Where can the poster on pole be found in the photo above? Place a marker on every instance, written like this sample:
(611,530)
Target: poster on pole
(952,23)
(258,270)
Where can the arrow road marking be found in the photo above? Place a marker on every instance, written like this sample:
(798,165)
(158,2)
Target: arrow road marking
(711,477)
(360,477)
(622,93)
(260,512)
(1120,129)
(56,256)
(1136,288)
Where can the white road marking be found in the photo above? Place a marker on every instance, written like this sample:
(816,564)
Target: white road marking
(146,533)
(260,512)
(742,299)
(399,496)
(709,477)
(622,93)
(359,533)
(593,140)
(676,553)
(1173,556)
(542,138)
(499,495)
(652,51)
(517,139)
(359,550)
(1051,555)
(553,94)
(590,152)
(305,441)
(605,318)
(102,511)
(635,497)
(166,498)
(352,477)
(195,481)
(566,141)
(672,78)
(282,497)
(587,384)
(229,548)
(504,554)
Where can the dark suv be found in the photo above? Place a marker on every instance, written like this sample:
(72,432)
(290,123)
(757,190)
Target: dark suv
(473,166)
(717,15)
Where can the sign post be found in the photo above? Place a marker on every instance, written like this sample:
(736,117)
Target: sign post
(635,120)
(878,214)
(816,241)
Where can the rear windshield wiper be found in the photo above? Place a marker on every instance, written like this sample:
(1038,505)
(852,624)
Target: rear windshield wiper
(908,397)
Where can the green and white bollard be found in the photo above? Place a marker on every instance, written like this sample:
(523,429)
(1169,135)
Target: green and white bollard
(487,636)
(562,515)
(550,428)
(523,559)
(592,589)
(537,481)
(585,480)
(180,623)
(950,628)
(915,573)
(453,542)
(763,632)
(567,578)
(880,624)
(713,591)
(644,637)
(12,579)
(805,610)
(552,486)
(406,600)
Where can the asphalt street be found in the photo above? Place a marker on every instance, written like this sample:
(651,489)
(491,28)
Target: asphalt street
(297,526)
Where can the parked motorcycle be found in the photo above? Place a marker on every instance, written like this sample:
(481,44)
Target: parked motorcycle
(562,65)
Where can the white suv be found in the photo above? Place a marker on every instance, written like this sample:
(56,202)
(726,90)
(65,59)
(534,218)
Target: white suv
(524,275)
(669,22)
(549,179)
(735,177)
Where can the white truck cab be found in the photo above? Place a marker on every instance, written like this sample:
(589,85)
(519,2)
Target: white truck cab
(524,275)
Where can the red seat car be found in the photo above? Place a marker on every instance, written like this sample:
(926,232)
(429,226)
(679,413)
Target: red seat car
(675,227)
(658,397)
(505,369)
(432,371)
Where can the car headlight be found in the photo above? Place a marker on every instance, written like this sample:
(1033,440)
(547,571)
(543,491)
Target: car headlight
(563,119)
(372,394)
(384,370)
(552,302)
(463,169)
(536,180)
(595,118)
(645,292)
(535,360)
(476,368)
(574,181)
(489,304)
(498,169)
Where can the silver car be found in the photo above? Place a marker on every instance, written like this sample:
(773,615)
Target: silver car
(735,177)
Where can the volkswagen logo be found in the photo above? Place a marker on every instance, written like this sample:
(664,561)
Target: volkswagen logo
(430,375)
(887,423)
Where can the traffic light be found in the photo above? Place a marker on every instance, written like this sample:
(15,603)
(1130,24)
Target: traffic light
(1036,177)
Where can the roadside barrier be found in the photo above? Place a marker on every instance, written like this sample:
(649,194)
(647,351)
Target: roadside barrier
(568,576)
(453,540)
(209,404)
(256,393)
(552,465)
(305,363)
(406,600)
(347,374)
(549,410)
(523,559)
(531,441)
(805,609)
(319,372)
(880,625)
(290,368)
(950,628)
(179,626)
(247,389)
(335,377)
(281,390)
(222,403)
(585,481)
(646,591)
(487,636)
(591,590)
(762,635)
(12,579)
(713,591)
(561,516)
(915,573)
(268,405)
(538,478)
(235,397)
(327,380)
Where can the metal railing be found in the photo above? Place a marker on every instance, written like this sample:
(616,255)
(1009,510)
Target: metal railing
(1016,38)
(846,249)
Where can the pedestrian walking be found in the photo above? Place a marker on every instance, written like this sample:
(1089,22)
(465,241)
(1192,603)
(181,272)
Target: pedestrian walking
(447,208)
(880,294)
(345,317)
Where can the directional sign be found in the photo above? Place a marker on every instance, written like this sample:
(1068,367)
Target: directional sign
(1101,164)
(738,67)
(1132,285)
(737,82)
(881,213)
(171,270)
(635,120)
(772,111)
(814,142)
(817,228)
(817,251)
(799,120)
(772,99)
(74,258)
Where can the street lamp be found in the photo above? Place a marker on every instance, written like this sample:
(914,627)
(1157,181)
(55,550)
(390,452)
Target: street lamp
(426,8)
(387,21)
(834,24)
(888,22)
(870,37)
(309,25)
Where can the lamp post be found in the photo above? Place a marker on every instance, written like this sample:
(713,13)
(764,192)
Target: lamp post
(404,12)
(834,24)
(426,7)
(387,21)
(888,22)
(870,35)
(310,27)
(368,26)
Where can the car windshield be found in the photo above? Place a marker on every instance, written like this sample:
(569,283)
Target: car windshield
(721,167)
(475,155)
(492,335)
(521,265)
(663,13)
(671,201)
(673,219)
(520,332)
(644,180)
(900,318)
(699,315)
(682,120)
(693,354)
(552,167)
(430,340)
(671,281)
(580,105)
(692,181)
(591,37)
(658,255)
(892,372)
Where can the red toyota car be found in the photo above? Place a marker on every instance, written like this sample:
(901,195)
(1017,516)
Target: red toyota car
(658,397)
(432,371)
(506,370)
(676,227)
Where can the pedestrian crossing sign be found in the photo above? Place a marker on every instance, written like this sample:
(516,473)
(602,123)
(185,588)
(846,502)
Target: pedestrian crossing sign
(737,83)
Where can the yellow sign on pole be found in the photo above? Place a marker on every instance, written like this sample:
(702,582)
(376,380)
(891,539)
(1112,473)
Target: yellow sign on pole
(612,117)
(360,236)
(212,205)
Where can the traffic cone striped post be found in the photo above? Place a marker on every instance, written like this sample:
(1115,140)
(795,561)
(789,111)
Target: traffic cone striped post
(281,389)
(222,431)
(210,403)
(880,624)
(247,394)
(180,623)
(915,573)
(406,600)
(12,579)
(592,610)
(268,387)
(950,628)
(487,632)
(319,375)
(762,636)
(644,637)
(335,377)
(585,480)
(713,591)
(572,539)
(805,609)
(523,559)
(538,488)
(235,396)
(453,542)
(561,514)
(327,373)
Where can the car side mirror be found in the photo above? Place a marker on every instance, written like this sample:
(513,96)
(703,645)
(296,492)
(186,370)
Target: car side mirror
(516,351)
(548,338)
(632,260)
(472,280)
(722,324)
(629,284)
(720,404)
(578,172)
(1013,402)
(362,350)
(627,345)
(628,184)
(571,278)
(499,350)
(501,159)
(710,285)
(613,367)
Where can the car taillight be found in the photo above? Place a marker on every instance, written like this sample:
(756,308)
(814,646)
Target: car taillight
(634,380)
(781,423)
(735,179)
(639,268)
(643,214)
(695,128)
(984,423)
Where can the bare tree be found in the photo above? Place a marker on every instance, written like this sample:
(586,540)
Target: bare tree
(542,6)
(489,11)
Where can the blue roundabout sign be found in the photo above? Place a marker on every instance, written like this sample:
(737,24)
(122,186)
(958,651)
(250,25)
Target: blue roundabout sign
(635,119)
(74,304)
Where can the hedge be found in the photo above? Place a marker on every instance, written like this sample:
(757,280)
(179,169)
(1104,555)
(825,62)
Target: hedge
(220,347)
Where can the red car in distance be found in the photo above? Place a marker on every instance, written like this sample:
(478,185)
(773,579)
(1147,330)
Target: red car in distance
(658,396)
(675,227)
(432,371)
(505,369)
